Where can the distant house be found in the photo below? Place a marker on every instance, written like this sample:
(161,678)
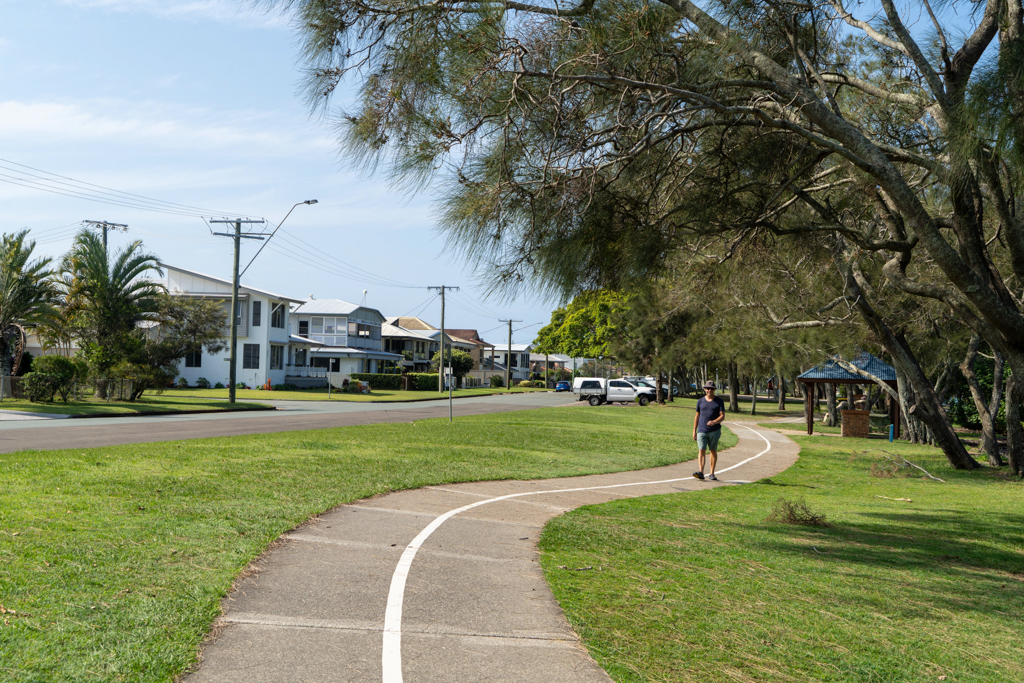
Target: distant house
(518,358)
(481,351)
(415,340)
(264,344)
(346,338)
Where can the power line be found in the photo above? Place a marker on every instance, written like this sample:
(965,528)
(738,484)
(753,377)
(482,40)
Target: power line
(81,186)
(356,269)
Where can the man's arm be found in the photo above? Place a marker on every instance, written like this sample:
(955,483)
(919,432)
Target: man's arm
(696,419)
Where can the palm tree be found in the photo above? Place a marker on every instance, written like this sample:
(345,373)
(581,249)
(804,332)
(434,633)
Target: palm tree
(26,296)
(106,300)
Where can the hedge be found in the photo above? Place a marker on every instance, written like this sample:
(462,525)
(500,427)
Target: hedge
(378,380)
(424,381)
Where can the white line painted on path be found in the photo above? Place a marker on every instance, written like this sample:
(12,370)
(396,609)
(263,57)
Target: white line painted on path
(391,658)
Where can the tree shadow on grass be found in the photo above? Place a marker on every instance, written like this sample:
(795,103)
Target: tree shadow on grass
(921,553)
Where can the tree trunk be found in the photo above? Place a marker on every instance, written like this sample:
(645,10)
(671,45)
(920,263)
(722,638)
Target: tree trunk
(782,387)
(734,388)
(659,380)
(985,412)
(753,401)
(831,415)
(1014,432)
(671,385)
(798,391)
(928,407)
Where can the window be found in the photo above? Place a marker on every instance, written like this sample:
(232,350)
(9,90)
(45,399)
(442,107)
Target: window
(257,313)
(515,360)
(194,360)
(277,316)
(304,328)
(250,356)
(353,329)
(318,325)
(276,357)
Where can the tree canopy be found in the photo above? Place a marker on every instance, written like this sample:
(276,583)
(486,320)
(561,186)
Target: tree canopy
(589,146)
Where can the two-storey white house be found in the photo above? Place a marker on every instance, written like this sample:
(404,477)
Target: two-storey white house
(518,356)
(264,342)
(346,338)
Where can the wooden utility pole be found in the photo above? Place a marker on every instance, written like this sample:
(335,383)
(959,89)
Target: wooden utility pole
(441,361)
(508,356)
(105,226)
(233,353)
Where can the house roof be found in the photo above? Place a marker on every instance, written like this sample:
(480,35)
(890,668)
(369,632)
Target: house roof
(229,283)
(349,351)
(831,370)
(391,330)
(516,348)
(409,323)
(302,341)
(471,336)
(326,307)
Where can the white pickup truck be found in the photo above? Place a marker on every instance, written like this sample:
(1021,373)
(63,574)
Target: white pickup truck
(597,390)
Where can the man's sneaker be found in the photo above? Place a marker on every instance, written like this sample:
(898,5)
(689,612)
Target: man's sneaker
(698,475)
(712,477)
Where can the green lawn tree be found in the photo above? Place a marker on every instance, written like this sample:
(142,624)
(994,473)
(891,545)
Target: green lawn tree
(462,363)
(106,299)
(26,296)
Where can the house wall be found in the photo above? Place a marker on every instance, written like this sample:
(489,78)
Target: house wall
(215,368)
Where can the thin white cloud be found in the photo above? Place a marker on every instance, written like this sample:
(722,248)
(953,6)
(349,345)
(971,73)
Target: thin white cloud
(156,125)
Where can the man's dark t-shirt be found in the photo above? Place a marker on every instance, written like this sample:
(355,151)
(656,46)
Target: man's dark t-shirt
(709,410)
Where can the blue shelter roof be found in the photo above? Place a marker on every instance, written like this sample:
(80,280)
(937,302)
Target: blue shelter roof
(830,370)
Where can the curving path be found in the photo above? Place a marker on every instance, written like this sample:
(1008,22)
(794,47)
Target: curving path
(437,584)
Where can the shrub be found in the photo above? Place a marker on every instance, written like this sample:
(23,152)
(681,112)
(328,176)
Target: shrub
(378,381)
(241,385)
(219,385)
(203,383)
(41,387)
(423,381)
(497,381)
(525,384)
(287,386)
(182,383)
(63,372)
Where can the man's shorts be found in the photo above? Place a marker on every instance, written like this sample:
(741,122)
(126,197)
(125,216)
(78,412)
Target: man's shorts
(708,440)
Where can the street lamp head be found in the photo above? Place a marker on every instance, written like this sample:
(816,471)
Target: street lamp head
(310,201)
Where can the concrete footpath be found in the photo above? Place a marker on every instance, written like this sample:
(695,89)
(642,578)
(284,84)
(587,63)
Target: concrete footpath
(440,584)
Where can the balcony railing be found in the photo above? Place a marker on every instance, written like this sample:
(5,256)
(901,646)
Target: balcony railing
(304,371)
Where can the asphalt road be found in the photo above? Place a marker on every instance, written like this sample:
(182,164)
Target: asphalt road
(289,416)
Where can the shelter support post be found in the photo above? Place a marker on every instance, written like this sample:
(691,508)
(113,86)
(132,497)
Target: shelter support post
(808,408)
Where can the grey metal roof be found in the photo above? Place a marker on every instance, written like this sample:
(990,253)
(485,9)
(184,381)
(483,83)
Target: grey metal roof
(830,370)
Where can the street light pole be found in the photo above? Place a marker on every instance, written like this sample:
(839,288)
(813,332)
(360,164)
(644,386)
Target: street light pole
(308,201)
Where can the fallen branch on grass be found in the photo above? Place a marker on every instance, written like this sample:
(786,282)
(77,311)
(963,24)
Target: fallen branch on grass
(902,500)
(897,459)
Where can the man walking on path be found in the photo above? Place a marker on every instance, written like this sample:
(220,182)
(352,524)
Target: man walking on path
(707,428)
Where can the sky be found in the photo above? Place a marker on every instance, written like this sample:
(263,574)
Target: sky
(195,103)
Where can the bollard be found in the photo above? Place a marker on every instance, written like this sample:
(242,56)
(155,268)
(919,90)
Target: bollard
(892,428)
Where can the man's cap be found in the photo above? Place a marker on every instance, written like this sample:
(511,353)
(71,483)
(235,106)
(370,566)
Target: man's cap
(710,385)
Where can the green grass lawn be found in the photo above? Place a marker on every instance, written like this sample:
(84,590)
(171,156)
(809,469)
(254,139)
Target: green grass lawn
(702,587)
(113,561)
(145,405)
(321,394)
(879,425)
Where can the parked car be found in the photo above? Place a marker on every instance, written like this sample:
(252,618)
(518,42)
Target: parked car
(597,390)
(563,386)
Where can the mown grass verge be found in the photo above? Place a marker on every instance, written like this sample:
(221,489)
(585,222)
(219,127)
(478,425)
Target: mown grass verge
(113,560)
(702,587)
(381,395)
(146,405)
